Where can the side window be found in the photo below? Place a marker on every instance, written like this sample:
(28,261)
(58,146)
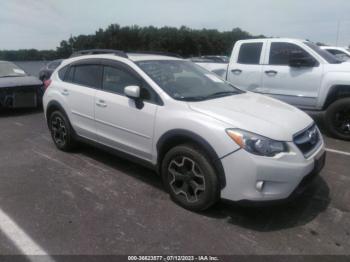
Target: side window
(280,53)
(115,80)
(148,94)
(87,75)
(249,53)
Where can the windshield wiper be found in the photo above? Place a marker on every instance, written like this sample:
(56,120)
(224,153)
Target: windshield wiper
(220,94)
(192,98)
(202,98)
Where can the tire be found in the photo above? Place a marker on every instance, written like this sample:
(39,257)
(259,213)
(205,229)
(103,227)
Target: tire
(61,131)
(190,178)
(337,119)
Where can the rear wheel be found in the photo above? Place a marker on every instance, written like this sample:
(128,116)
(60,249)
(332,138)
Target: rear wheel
(61,131)
(190,178)
(338,119)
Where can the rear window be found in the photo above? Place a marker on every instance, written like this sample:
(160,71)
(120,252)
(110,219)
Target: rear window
(249,53)
(88,75)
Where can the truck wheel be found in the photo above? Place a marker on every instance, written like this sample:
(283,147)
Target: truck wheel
(190,178)
(338,119)
(61,131)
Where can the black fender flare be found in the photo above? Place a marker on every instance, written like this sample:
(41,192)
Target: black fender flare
(55,104)
(175,135)
(334,92)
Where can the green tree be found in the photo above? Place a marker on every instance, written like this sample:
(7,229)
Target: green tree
(183,41)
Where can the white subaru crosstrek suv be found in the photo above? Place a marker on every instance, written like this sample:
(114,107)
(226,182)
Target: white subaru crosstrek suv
(206,138)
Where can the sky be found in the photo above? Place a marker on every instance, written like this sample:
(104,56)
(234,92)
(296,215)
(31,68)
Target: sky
(42,24)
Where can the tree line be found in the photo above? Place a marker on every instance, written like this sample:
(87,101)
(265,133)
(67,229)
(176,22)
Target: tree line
(184,41)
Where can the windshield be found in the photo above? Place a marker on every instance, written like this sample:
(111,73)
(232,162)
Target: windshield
(8,69)
(325,55)
(184,80)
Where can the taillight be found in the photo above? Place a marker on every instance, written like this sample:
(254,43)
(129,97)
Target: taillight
(47,83)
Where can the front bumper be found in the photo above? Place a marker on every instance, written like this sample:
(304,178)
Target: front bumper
(21,97)
(262,179)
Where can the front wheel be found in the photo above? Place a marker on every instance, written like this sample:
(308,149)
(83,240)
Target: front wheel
(338,119)
(190,178)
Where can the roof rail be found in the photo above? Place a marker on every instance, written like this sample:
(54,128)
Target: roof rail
(99,52)
(157,53)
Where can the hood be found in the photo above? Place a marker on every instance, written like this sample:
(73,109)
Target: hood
(257,114)
(19,81)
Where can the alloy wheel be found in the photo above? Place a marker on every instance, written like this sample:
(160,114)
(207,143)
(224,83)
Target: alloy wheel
(59,130)
(186,179)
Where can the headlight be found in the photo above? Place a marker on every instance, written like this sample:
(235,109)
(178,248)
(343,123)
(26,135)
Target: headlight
(257,144)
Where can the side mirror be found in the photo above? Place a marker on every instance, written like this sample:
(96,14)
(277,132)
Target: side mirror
(300,60)
(132,92)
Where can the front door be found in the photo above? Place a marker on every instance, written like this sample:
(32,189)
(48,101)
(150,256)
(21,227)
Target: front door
(298,86)
(122,122)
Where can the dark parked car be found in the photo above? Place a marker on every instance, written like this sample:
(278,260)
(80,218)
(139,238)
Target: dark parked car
(18,89)
(46,72)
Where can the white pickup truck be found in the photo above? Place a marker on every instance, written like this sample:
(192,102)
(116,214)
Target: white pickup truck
(295,71)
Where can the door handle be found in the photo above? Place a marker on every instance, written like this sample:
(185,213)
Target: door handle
(65,92)
(236,71)
(271,72)
(101,103)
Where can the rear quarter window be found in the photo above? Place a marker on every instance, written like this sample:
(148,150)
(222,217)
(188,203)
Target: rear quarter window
(62,72)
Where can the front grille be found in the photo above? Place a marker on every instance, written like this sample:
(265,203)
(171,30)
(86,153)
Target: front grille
(308,140)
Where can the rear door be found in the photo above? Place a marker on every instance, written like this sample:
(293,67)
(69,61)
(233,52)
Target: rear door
(121,122)
(245,68)
(81,81)
(298,86)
